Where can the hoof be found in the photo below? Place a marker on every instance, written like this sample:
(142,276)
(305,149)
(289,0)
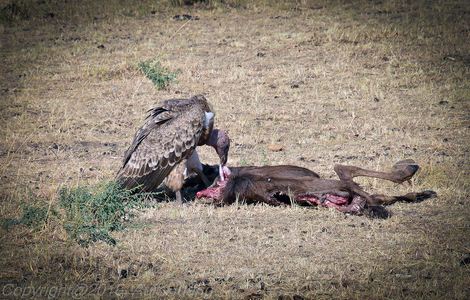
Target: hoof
(417,197)
(404,170)
(425,195)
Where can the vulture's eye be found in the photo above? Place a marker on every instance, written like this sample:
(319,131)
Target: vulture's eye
(269,179)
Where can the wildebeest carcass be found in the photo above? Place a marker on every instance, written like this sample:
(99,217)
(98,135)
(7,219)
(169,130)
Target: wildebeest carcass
(287,184)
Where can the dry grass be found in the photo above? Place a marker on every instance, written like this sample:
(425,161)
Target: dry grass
(364,83)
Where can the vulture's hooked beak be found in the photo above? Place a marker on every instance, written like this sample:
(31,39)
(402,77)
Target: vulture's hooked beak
(223,147)
(224,173)
(221,173)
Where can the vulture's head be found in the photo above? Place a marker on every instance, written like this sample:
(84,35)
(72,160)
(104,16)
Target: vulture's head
(221,142)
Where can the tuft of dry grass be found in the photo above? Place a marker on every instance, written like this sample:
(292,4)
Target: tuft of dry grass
(362,83)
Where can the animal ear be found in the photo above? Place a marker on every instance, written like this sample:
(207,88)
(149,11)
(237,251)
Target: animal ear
(237,186)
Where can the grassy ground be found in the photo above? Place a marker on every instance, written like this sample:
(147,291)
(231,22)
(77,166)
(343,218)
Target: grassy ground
(356,82)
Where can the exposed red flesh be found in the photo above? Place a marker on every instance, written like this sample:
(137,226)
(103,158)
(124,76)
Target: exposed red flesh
(328,200)
(214,192)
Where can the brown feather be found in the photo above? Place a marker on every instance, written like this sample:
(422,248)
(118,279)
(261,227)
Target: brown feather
(169,135)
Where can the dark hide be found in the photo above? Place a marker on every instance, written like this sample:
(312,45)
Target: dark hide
(286,184)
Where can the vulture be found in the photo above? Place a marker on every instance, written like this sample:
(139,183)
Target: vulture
(163,149)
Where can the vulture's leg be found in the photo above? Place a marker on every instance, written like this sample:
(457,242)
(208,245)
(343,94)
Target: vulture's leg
(175,180)
(179,198)
(410,197)
(401,172)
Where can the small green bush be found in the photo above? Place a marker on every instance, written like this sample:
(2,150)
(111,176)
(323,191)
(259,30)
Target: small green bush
(88,214)
(34,215)
(91,214)
(159,75)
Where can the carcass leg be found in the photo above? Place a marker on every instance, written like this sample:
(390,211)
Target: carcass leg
(401,172)
(378,199)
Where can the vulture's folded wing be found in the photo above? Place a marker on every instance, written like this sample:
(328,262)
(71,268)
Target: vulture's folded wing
(169,134)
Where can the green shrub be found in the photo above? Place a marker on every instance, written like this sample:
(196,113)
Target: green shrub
(91,214)
(88,214)
(33,215)
(159,75)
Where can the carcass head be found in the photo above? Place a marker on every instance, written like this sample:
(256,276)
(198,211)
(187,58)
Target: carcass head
(215,191)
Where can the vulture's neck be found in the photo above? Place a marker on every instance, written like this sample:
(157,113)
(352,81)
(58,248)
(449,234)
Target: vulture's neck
(213,138)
